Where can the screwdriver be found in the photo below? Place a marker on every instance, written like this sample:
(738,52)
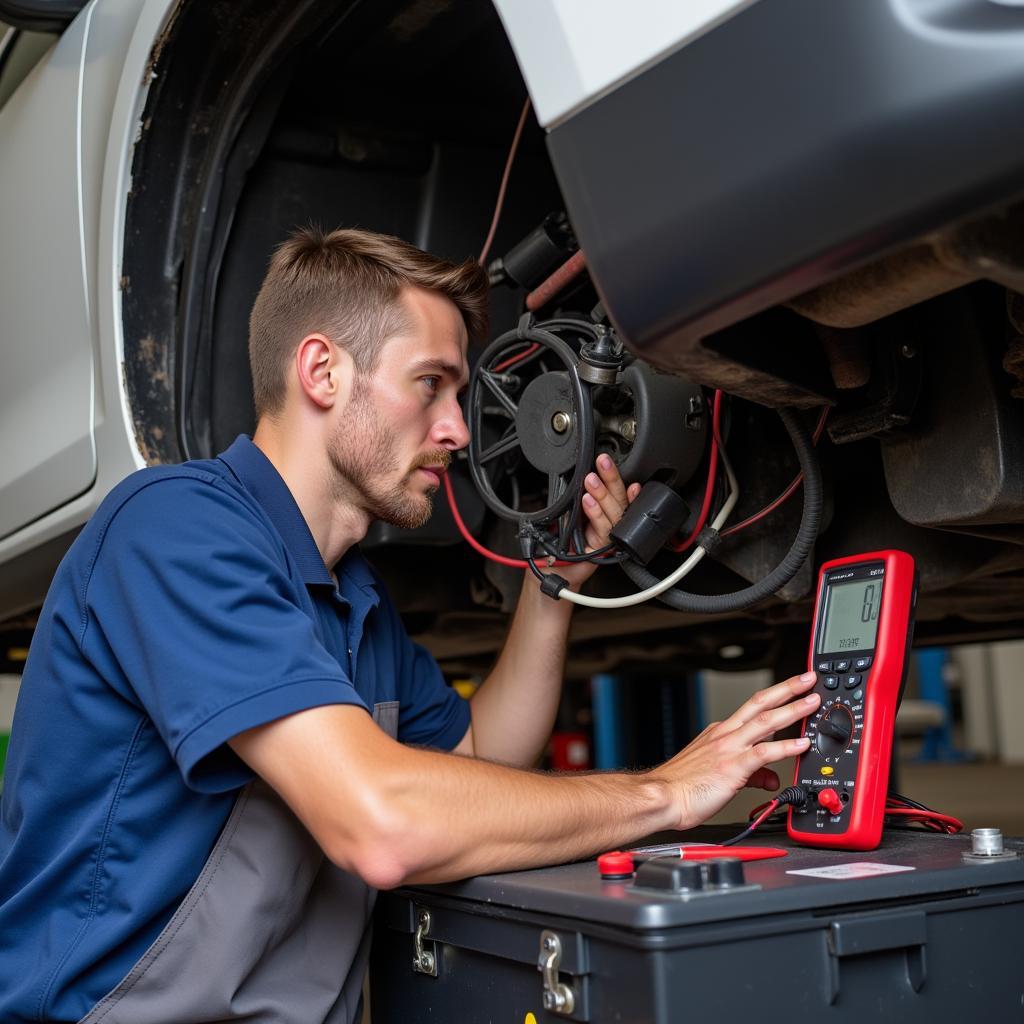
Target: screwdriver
(621,864)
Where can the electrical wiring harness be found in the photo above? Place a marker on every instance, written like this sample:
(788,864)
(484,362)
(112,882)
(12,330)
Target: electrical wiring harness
(901,814)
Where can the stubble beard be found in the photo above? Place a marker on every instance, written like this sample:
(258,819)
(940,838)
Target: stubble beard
(363,452)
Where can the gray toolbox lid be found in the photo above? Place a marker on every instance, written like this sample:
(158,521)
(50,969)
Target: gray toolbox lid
(908,867)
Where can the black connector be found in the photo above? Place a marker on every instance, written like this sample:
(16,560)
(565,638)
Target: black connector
(654,516)
(552,585)
(795,796)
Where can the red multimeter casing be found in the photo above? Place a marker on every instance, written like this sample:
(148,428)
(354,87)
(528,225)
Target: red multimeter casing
(860,646)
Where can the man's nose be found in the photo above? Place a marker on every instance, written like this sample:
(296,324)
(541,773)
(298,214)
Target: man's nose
(451,431)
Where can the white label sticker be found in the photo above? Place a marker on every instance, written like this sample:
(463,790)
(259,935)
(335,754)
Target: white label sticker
(860,869)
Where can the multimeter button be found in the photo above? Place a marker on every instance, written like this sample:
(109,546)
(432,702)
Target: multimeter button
(858,694)
(826,769)
(842,666)
(853,681)
(861,664)
(831,682)
(824,666)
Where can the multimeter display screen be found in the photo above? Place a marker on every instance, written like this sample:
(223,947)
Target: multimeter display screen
(851,616)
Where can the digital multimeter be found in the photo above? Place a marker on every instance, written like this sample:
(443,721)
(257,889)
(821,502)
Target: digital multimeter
(860,646)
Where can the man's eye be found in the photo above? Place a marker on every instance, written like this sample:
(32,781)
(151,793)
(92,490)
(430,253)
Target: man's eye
(432,382)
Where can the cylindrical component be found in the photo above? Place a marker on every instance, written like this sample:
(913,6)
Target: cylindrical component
(655,515)
(725,871)
(543,250)
(615,866)
(670,874)
(987,842)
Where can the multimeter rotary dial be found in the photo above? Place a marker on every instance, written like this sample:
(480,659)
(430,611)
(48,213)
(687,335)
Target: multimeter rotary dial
(835,726)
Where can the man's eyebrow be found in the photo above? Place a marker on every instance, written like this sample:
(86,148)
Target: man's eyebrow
(456,373)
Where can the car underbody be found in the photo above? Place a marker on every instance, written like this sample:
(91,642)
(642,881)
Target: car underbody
(398,116)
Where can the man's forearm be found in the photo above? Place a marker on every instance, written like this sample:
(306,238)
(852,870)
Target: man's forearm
(514,710)
(397,814)
(537,819)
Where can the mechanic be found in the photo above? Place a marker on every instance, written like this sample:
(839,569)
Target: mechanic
(225,741)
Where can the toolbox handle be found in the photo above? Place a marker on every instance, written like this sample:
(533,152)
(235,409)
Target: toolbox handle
(876,933)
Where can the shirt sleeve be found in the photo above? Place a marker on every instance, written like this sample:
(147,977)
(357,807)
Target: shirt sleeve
(430,712)
(190,604)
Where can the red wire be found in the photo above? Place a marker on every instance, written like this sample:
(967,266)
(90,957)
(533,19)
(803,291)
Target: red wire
(709,490)
(499,202)
(758,809)
(556,281)
(515,563)
(515,359)
(945,822)
(767,812)
(786,494)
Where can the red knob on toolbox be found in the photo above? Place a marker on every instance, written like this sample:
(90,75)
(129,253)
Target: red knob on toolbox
(615,865)
(829,799)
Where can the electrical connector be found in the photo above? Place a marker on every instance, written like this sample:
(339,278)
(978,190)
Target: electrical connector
(795,796)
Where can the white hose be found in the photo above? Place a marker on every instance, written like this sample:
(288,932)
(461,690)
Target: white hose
(684,570)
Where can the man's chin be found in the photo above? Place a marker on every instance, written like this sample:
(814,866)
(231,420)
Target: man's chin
(409,516)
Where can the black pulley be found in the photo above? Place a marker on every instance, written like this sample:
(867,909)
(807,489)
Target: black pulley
(546,422)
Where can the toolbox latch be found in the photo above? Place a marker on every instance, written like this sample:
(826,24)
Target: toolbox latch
(558,997)
(424,960)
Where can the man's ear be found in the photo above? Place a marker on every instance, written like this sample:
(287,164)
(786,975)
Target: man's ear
(323,370)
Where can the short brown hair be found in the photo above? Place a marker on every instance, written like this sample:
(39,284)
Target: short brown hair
(346,283)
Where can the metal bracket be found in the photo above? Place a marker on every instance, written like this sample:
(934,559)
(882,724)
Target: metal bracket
(424,959)
(558,997)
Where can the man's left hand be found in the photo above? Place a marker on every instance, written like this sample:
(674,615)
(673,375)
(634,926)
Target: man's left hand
(605,500)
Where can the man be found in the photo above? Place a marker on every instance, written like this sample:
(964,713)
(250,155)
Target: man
(225,740)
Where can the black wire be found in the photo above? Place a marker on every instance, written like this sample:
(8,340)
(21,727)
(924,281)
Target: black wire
(743,835)
(910,803)
(598,555)
(533,566)
(749,830)
(583,326)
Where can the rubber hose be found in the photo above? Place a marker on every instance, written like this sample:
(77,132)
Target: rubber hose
(713,604)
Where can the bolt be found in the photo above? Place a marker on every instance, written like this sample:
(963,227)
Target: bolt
(987,842)
(908,351)
(549,943)
(628,431)
(549,1001)
(561,422)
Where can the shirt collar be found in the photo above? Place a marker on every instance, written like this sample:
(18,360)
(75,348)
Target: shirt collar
(257,475)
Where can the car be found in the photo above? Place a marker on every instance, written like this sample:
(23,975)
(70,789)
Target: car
(807,207)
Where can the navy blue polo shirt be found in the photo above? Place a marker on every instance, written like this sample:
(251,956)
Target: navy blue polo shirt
(194,605)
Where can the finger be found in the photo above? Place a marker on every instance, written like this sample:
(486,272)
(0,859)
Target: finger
(767,723)
(772,697)
(762,754)
(631,492)
(610,505)
(764,778)
(600,524)
(611,478)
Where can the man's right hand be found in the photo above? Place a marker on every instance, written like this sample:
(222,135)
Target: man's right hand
(728,756)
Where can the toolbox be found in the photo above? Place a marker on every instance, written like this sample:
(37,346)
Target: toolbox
(912,931)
